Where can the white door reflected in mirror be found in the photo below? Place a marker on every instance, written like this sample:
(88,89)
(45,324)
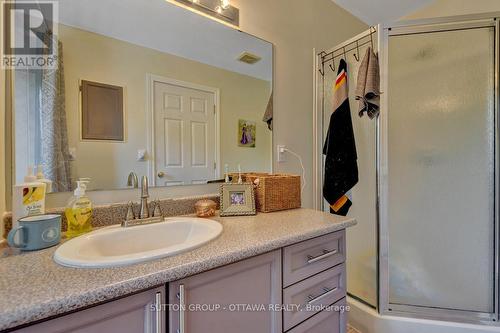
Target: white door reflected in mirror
(185,133)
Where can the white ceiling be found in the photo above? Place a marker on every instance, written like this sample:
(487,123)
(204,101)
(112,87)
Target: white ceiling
(165,27)
(373,12)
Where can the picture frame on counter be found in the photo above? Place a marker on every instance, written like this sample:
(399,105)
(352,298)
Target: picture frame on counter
(237,199)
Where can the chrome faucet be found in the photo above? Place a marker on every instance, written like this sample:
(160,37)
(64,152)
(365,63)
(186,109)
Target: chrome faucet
(144,216)
(144,211)
(132,180)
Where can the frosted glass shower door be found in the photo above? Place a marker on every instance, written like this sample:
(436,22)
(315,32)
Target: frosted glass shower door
(441,164)
(441,151)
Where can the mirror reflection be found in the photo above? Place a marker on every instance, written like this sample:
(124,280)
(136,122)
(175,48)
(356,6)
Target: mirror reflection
(169,94)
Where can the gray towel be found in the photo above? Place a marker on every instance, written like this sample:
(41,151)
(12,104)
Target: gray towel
(368,85)
(268,115)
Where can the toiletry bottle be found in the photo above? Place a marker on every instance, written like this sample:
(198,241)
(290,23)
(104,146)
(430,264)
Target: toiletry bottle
(40,177)
(226,172)
(79,211)
(28,198)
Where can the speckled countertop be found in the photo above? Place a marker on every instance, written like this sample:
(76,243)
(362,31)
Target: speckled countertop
(33,287)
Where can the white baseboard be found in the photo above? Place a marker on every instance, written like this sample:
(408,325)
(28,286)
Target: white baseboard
(367,320)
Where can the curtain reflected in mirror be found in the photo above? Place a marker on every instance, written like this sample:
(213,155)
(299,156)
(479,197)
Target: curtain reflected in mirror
(40,123)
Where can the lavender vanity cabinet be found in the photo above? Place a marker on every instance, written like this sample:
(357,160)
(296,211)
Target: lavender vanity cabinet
(315,293)
(309,272)
(312,272)
(324,322)
(252,281)
(305,259)
(314,276)
(132,314)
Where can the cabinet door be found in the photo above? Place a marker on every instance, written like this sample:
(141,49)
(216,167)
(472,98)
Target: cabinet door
(217,300)
(132,314)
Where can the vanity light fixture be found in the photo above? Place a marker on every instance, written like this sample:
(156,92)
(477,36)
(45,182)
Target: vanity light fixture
(219,10)
(249,58)
(225,4)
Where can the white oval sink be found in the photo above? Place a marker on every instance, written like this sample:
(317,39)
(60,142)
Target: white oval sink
(117,246)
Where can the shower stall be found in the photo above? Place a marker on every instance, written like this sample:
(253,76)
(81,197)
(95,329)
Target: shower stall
(424,255)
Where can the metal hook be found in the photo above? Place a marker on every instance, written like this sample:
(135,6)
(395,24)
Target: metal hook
(371,36)
(332,67)
(356,54)
(345,57)
(322,69)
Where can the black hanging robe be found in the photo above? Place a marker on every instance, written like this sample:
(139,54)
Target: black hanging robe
(341,168)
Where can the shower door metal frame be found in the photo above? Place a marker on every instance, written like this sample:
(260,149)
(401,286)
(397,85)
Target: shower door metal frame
(318,130)
(416,27)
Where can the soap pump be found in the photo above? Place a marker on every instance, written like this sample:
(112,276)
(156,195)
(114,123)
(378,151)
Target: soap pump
(40,177)
(79,210)
(30,177)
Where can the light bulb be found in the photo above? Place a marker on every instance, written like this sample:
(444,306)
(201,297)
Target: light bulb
(225,4)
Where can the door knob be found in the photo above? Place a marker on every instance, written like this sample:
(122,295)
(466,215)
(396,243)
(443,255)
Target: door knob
(161,174)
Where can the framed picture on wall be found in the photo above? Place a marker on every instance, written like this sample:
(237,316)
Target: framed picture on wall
(246,133)
(237,199)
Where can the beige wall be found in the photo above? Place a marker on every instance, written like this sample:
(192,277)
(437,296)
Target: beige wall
(94,57)
(296,27)
(455,7)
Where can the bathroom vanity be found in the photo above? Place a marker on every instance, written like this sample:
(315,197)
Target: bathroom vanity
(276,272)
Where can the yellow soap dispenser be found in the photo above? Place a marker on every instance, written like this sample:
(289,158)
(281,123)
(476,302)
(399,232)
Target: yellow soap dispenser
(79,211)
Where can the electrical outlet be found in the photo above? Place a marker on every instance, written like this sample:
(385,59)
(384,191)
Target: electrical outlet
(72,154)
(280,153)
(141,155)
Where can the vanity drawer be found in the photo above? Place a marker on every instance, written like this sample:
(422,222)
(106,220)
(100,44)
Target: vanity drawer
(327,321)
(311,296)
(310,257)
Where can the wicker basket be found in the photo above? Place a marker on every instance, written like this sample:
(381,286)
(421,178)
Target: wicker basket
(274,192)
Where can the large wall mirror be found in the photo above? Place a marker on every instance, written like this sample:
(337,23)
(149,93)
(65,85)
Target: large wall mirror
(168,93)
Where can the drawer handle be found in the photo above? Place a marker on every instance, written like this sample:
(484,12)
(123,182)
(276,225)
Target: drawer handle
(327,292)
(181,295)
(326,254)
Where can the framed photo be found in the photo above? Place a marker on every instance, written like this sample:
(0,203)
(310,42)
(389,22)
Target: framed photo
(237,199)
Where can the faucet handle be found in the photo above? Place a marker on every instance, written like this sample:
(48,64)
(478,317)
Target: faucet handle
(157,209)
(130,212)
(132,180)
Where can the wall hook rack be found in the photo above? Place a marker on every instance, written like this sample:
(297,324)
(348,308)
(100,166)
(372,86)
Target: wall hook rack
(355,45)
